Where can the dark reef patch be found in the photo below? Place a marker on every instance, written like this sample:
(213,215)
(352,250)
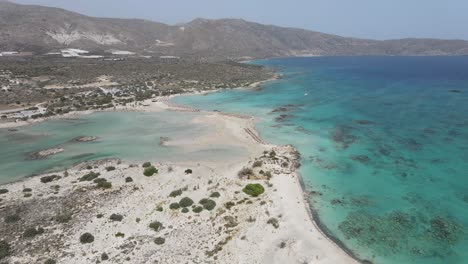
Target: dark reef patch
(401,232)
(363,122)
(342,137)
(360,158)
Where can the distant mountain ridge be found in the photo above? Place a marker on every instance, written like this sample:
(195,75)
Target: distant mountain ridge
(43,29)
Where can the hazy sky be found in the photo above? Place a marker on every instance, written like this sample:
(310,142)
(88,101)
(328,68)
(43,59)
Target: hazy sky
(380,19)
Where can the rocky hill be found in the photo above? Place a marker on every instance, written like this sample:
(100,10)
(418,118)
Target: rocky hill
(43,29)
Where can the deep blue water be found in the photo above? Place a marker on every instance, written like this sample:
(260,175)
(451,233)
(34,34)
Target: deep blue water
(384,142)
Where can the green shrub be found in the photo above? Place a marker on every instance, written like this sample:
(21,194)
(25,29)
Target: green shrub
(174,206)
(116,217)
(150,171)
(27,194)
(257,163)
(50,261)
(215,195)
(188,171)
(128,179)
(3,191)
(98,180)
(5,249)
(89,177)
(86,238)
(104,257)
(159,209)
(185,210)
(208,204)
(253,189)
(27,190)
(100,216)
(63,217)
(146,164)
(12,218)
(176,193)
(197,209)
(104,185)
(47,179)
(32,232)
(159,240)
(120,234)
(185,202)
(110,168)
(156,226)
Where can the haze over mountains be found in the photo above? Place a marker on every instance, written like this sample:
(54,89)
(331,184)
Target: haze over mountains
(43,29)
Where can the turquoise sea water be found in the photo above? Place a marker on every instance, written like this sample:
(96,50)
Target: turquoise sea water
(384,142)
(131,136)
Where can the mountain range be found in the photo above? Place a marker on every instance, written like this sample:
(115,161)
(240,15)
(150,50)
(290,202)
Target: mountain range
(43,29)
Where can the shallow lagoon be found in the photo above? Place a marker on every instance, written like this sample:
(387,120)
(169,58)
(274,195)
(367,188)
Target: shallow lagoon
(131,136)
(385,148)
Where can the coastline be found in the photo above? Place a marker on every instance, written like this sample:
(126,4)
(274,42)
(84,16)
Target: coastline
(307,237)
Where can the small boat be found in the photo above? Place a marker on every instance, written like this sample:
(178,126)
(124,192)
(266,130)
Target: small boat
(306,94)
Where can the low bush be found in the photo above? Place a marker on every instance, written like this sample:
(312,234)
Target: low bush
(156,226)
(3,191)
(104,185)
(98,180)
(197,209)
(229,205)
(146,164)
(104,257)
(254,189)
(110,168)
(47,179)
(159,240)
(5,249)
(272,154)
(50,261)
(215,195)
(128,179)
(257,163)
(185,210)
(89,177)
(150,171)
(120,234)
(63,217)
(245,172)
(32,232)
(174,206)
(116,217)
(208,204)
(274,222)
(27,195)
(185,202)
(12,218)
(86,238)
(176,193)
(268,174)
(27,190)
(188,171)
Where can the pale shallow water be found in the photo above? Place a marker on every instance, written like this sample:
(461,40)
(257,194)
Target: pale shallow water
(384,142)
(131,136)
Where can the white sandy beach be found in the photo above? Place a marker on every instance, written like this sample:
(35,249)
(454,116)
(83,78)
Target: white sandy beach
(241,234)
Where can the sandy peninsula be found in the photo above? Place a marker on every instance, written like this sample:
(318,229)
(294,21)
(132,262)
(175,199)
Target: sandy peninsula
(190,212)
